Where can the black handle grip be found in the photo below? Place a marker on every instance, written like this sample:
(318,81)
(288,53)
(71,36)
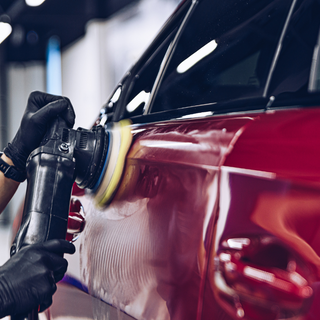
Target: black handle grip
(50,176)
(64,155)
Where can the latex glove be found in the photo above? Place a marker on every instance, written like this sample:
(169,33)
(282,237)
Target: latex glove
(28,279)
(41,109)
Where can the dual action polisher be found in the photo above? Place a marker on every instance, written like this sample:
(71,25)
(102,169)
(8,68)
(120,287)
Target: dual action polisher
(93,158)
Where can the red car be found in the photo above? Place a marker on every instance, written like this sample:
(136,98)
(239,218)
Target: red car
(217,215)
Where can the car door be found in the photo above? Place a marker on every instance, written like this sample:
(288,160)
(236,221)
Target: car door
(265,257)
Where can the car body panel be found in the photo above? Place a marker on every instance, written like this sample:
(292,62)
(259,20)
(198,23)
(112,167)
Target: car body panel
(182,196)
(283,142)
(88,307)
(275,216)
(153,236)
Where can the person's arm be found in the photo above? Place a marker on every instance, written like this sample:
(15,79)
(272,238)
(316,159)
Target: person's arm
(28,279)
(7,186)
(41,109)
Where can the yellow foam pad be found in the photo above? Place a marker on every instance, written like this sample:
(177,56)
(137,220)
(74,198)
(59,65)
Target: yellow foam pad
(121,136)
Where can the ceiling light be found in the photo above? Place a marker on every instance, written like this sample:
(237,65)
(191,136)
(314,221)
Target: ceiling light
(34,3)
(5,30)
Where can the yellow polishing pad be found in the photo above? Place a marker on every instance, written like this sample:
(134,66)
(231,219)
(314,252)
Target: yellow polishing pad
(120,138)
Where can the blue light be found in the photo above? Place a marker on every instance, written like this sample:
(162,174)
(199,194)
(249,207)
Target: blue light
(54,83)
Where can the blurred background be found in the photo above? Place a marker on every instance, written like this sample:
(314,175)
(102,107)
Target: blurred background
(77,48)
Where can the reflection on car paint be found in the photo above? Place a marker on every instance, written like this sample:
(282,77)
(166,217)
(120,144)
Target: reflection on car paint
(274,274)
(87,307)
(257,268)
(154,237)
(183,228)
(76,220)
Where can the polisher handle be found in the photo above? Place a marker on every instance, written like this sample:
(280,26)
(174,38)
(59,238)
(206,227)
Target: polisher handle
(50,176)
(64,155)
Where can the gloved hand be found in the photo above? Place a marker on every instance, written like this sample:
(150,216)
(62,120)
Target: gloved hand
(40,110)
(29,278)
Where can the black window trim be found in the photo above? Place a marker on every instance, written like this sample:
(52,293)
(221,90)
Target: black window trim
(278,49)
(171,50)
(312,87)
(243,105)
(170,115)
(167,58)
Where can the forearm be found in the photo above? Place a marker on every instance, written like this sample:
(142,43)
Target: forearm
(7,186)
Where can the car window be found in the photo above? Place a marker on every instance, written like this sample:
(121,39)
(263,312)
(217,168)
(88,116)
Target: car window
(107,111)
(224,53)
(144,76)
(143,81)
(297,69)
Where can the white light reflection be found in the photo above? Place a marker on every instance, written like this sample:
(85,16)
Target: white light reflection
(5,30)
(197,115)
(225,257)
(230,267)
(116,95)
(225,200)
(250,172)
(141,97)
(197,56)
(236,243)
(134,131)
(165,144)
(267,277)
(259,274)
(297,279)
(103,120)
(34,3)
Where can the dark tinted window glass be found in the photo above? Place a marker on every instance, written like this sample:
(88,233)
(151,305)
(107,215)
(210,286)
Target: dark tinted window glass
(143,81)
(224,53)
(293,67)
(141,85)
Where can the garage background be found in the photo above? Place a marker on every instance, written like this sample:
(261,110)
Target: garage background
(76,48)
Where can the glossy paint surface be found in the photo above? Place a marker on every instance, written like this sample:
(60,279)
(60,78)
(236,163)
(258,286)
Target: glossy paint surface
(265,259)
(210,219)
(282,142)
(84,306)
(76,221)
(146,253)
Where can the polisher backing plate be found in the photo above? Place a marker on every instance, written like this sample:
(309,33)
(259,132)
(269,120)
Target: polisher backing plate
(121,137)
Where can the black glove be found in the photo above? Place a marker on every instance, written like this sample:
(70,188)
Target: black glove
(40,110)
(28,279)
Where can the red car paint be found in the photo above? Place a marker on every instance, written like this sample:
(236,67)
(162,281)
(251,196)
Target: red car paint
(288,145)
(172,215)
(280,198)
(157,227)
(76,221)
